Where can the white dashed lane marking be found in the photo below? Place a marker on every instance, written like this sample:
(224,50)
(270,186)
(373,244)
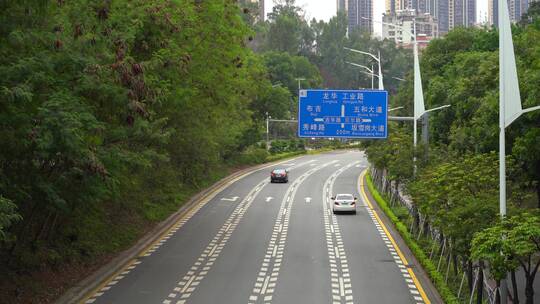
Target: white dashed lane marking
(265,284)
(191,280)
(340,278)
(157,244)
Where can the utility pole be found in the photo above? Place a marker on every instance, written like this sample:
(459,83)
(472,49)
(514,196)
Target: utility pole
(509,107)
(419,107)
(369,71)
(299,87)
(376,58)
(267,131)
(372,76)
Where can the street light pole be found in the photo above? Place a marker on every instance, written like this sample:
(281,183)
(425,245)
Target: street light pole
(372,87)
(267,131)
(299,87)
(419,108)
(378,59)
(418,94)
(509,107)
(381,85)
(370,71)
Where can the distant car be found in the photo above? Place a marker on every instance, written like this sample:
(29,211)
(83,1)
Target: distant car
(344,203)
(279,175)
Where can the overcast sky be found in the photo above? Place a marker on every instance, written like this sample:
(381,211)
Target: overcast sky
(326,9)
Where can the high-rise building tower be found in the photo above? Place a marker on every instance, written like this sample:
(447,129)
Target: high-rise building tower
(261,10)
(516,9)
(390,6)
(450,13)
(360,14)
(462,13)
(342,6)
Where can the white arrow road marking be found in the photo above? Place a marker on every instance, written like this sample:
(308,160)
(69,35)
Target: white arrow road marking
(211,253)
(269,199)
(233,199)
(156,245)
(358,166)
(339,267)
(264,286)
(308,199)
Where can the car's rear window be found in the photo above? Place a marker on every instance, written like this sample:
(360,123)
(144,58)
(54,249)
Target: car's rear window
(344,197)
(279,171)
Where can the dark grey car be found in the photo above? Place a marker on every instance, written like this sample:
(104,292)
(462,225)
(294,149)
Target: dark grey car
(279,175)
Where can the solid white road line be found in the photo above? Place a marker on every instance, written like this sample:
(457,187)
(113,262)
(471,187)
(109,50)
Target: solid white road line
(112,280)
(189,282)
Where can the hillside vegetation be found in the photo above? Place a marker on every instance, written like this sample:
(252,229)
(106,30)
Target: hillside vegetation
(114,113)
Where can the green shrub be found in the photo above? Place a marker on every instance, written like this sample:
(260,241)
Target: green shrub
(436,277)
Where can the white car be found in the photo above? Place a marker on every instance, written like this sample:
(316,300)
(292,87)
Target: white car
(344,203)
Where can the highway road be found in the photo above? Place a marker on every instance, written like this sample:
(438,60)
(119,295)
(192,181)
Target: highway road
(259,242)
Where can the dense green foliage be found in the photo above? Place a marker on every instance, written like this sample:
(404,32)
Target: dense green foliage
(456,188)
(287,31)
(518,248)
(112,113)
(95,97)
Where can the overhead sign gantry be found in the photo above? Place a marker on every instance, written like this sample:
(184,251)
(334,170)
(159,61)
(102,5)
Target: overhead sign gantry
(343,113)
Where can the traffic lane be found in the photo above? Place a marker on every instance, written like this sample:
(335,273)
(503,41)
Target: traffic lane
(305,276)
(231,278)
(239,263)
(375,276)
(189,286)
(155,275)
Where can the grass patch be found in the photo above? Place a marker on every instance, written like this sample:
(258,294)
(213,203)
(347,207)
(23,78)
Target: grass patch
(436,277)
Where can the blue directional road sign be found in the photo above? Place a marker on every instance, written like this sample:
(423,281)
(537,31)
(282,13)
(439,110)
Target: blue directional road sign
(343,113)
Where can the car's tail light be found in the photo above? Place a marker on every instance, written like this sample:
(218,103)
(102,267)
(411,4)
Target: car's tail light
(273,175)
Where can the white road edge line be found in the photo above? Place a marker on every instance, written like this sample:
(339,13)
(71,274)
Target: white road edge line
(213,250)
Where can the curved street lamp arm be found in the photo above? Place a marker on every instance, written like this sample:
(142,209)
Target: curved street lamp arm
(360,66)
(362,52)
(390,24)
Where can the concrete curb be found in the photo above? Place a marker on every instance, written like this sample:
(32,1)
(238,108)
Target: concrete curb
(83,288)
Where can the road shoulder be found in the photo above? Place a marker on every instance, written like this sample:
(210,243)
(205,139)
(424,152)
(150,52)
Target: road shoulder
(93,283)
(421,275)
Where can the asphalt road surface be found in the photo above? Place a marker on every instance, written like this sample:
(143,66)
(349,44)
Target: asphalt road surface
(260,242)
